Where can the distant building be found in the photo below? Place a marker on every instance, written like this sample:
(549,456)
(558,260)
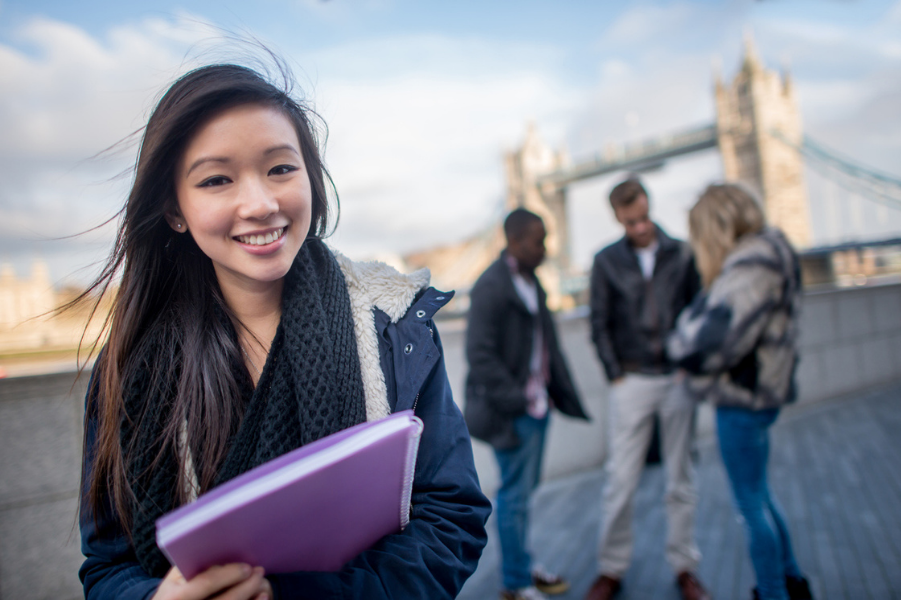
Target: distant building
(852,264)
(28,325)
(24,304)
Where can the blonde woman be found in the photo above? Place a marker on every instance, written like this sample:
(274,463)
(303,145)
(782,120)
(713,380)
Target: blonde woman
(740,337)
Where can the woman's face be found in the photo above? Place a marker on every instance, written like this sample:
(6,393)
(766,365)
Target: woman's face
(244,195)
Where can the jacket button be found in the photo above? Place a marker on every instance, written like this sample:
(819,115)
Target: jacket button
(420,313)
(408,348)
(440,298)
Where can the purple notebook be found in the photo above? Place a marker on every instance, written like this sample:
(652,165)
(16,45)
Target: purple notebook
(312,509)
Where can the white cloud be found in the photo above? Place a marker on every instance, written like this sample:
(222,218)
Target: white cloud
(74,94)
(418,123)
(417,129)
(469,57)
(66,96)
(646,23)
(344,10)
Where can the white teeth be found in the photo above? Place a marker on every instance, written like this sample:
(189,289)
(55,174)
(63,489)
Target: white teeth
(261,240)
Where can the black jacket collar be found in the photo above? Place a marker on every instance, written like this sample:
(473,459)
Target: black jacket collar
(501,272)
(625,251)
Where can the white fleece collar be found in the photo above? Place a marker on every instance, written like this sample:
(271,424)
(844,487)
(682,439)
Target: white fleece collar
(377,285)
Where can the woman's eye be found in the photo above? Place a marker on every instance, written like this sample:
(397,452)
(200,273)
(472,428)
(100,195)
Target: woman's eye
(214,181)
(282,169)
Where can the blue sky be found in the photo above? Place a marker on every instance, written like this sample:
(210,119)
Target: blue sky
(422,99)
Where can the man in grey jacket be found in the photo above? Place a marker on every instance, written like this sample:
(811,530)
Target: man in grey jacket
(639,285)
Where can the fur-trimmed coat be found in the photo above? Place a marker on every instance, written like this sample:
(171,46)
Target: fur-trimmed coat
(402,366)
(741,335)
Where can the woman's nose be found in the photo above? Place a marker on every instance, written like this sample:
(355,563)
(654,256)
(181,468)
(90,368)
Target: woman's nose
(257,200)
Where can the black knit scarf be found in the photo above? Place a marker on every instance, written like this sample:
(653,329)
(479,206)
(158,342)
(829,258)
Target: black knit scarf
(310,387)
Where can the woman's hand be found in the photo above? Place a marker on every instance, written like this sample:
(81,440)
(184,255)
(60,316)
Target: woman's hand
(228,582)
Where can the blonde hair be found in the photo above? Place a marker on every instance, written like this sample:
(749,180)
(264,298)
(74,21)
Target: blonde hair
(722,215)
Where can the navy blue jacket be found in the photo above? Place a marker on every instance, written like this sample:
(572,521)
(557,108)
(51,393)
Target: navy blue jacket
(431,558)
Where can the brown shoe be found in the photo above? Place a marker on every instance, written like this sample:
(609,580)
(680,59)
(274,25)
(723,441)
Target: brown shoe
(690,587)
(603,588)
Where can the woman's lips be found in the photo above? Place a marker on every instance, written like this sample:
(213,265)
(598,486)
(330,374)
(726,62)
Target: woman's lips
(263,239)
(261,244)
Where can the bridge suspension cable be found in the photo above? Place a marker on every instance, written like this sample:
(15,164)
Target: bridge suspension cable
(870,184)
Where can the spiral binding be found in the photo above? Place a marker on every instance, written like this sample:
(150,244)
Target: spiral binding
(409,468)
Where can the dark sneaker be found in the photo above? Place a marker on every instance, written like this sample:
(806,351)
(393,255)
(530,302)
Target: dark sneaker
(549,583)
(690,587)
(604,588)
(798,588)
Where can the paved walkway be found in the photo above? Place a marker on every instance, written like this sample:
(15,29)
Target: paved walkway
(835,468)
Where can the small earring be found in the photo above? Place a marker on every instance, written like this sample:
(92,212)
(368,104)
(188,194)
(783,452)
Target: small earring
(178,225)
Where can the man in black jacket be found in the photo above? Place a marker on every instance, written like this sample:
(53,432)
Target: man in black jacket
(639,285)
(516,375)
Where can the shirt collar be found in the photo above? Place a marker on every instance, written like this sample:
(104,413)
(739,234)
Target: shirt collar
(512,263)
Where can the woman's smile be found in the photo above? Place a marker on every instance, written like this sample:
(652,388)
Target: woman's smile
(260,243)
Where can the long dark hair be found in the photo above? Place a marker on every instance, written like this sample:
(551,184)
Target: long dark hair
(168,306)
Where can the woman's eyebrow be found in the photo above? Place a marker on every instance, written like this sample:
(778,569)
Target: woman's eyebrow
(282,147)
(225,159)
(206,159)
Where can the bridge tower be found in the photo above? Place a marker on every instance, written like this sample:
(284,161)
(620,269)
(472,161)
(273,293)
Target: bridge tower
(759,133)
(524,168)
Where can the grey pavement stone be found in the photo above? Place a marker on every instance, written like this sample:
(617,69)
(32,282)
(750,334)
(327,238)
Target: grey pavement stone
(40,551)
(835,468)
(40,448)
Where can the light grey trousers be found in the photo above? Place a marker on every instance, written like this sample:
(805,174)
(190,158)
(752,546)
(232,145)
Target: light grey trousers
(632,405)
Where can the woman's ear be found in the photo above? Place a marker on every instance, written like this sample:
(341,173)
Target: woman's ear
(176,222)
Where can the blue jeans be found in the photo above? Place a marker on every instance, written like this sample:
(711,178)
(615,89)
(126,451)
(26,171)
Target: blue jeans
(745,446)
(520,469)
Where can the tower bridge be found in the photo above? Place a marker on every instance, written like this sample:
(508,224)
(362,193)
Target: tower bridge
(757,124)
(757,132)
(642,156)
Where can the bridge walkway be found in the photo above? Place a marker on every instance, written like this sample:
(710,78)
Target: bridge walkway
(835,468)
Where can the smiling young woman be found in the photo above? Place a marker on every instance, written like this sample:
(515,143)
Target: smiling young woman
(244,195)
(237,336)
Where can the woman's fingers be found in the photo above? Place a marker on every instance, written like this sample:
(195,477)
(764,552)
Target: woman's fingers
(249,589)
(217,579)
(218,582)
